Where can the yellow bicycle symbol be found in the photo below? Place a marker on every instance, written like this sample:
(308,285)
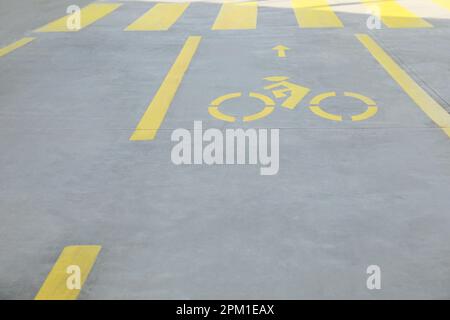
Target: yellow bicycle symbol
(269,106)
(294,94)
(281,88)
(297,93)
(317,109)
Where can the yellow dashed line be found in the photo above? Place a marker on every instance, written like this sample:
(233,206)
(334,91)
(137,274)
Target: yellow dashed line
(74,261)
(10,48)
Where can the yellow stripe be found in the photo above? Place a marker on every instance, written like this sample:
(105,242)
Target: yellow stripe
(161,17)
(156,111)
(237,16)
(394,15)
(428,105)
(55,286)
(443,3)
(88,14)
(4,51)
(315,14)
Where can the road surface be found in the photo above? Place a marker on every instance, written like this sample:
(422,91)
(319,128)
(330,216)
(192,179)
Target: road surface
(364,170)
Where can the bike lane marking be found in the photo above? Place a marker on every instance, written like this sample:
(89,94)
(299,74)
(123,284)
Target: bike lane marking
(156,111)
(315,14)
(16,45)
(374,104)
(229,102)
(395,15)
(89,14)
(428,105)
(237,16)
(55,286)
(160,17)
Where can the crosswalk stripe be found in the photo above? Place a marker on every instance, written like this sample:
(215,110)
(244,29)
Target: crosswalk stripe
(393,15)
(13,46)
(237,16)
(74,262)
(443,3)
(315,14)
(161,17)
(89,14)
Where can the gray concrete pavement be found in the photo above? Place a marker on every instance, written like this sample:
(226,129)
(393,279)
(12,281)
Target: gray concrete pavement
(347,195)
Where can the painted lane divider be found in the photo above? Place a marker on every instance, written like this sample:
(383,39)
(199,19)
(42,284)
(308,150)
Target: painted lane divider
(88,15)
(156,111)
(13,46)
(394,15)
(425,102)
(315,14)
(237,16)
(69,274)
(161,17)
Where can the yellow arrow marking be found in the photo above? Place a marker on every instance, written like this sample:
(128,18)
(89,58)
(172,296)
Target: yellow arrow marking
(281,50)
